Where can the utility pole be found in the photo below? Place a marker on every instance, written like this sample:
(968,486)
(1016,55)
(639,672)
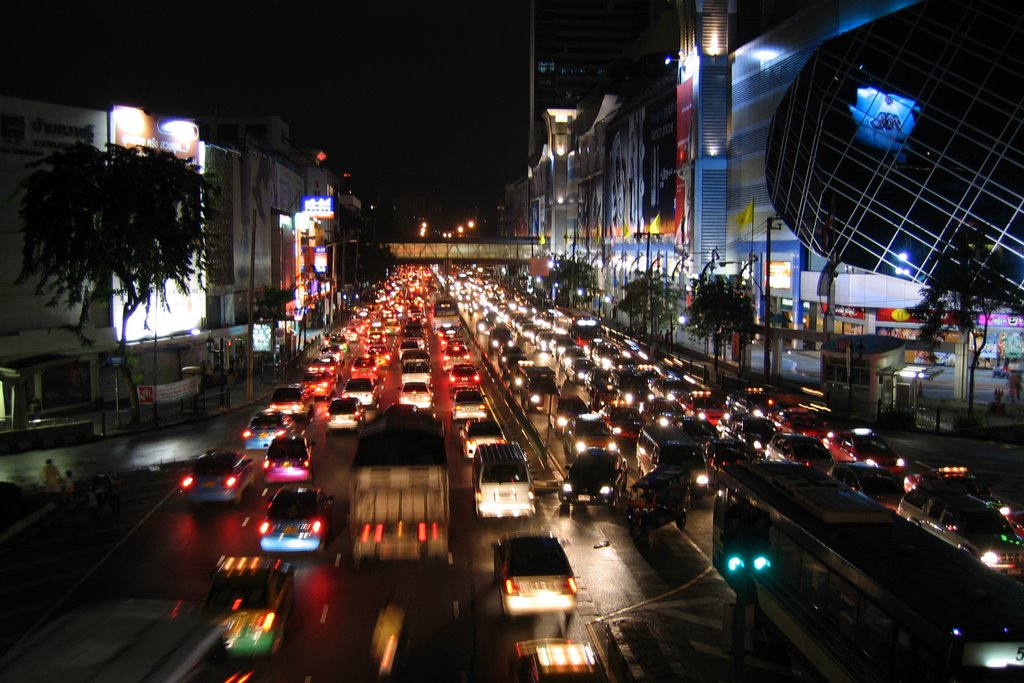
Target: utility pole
(768,300)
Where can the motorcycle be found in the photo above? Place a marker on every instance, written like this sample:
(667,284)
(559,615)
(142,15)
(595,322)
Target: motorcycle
(104,492)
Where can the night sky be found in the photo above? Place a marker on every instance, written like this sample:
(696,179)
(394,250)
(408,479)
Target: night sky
(411,98)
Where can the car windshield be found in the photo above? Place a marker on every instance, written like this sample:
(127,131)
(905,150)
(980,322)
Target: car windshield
(572,406)
(759,427)
(623,414)
(730,453)
(359,385)
(272,420)
(286,450)
(313,377)
(488,428)
(287,395)
(214,464)
(464,370)
(531,556)
(593,467)
(986,522)
(875,485)
(343,406)
(235,593)
(805,420)
(363,362)
(293,505)
(679,455)
(504,473)
(804,450)
(414,387)
(416,367)
(468,397)
(871,444)
(592,428)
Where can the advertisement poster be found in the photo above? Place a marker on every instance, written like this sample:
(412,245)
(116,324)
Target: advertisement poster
(168,393)
(684,182)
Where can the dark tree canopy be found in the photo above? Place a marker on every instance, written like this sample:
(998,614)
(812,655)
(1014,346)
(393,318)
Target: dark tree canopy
(122,222)
(718,309)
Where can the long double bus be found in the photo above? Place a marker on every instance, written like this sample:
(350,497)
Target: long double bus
(861,594)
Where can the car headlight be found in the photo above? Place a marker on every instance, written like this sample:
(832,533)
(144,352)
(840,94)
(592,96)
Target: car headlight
(1004,510)
(580,446)
(758,413)
(613,446)
(562,421)
(581,375)
(671,396)
(900,462)
(616,430)
(629,398)
(663,421)
(702,480)
(481,327)
(871,461)
(702,415)
(535,398)
(606,490)
(566,487)
(757,444)
(494,343)
(990,558)
(519,382)
(726,416)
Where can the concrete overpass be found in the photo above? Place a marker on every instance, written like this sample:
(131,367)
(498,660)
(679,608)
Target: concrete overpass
(468,250)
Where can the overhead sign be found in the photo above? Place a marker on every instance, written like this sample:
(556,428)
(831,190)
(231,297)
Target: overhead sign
(318,207)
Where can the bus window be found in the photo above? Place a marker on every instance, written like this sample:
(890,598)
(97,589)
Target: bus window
(875,634)
(842,605)
(786,558)
(813,581)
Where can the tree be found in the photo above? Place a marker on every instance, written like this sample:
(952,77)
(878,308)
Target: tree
(963,292)
(718,310)
(649,298)
(272,304)
(124,223)
(573,275)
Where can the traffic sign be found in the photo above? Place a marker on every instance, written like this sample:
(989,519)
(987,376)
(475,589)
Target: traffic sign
(117,360)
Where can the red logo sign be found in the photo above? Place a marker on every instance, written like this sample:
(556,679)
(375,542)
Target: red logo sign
(147,395)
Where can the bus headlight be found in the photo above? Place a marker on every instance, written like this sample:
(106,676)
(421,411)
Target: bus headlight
(566,487)
(990,558)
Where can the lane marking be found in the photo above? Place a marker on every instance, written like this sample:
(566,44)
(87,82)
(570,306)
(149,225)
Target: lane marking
(265,491)
(455,608)
(323,615)
(245,521)
(221,560)
(644,603)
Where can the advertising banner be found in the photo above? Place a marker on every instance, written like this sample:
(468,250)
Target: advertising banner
(261,338)
(320,259)
(318,207)
(684,142)
(132,127)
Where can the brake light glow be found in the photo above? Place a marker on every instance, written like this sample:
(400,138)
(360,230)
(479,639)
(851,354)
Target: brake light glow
(511,586)
(366,533)
(247,433)
(266,464)
(421,532)
(279,432)
(571,583)
(433,531)
(268,621)
(316,526)
(264,528)
(231,481)
(187,481)
(378,534)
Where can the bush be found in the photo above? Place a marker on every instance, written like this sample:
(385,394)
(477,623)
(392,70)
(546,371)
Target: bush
(968,421)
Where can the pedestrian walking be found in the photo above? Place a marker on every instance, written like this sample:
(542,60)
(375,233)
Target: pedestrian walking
(69,488)
(1015,383)
(51,478)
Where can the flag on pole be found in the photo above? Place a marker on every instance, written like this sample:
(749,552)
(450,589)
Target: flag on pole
(746,216)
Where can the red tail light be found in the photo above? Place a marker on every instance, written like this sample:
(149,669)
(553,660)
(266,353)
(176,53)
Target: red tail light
(476,378)
(316,526)
(230,482)
(247,433)
(187,481)
(378,534)
(433,531)
(305,463)
(266,464)
(421,532)
(571,585)
(511,586)
(264,528)
(466,356)
(268,621)
(366,533)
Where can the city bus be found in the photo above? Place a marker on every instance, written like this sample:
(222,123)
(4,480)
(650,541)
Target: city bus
(444,311)
(860,594)
(584,329)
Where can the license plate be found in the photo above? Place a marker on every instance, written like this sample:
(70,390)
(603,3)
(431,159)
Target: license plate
(286,464)
(583,498)
(506,495)
(289,530)
(208,484)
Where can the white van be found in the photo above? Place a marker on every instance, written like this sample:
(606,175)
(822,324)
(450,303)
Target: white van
(502,483)
(122,641)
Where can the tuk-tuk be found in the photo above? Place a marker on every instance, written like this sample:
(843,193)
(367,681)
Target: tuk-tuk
(657,499)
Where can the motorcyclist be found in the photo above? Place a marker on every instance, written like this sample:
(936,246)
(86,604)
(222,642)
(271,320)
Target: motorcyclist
(387,634)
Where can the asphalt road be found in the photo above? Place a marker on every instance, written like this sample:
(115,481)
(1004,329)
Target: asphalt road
(158,548)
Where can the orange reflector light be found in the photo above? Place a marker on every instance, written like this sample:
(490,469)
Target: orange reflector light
(247,433)
(510,587)
(572,584)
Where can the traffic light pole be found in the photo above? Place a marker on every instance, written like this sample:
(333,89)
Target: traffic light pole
(739,629)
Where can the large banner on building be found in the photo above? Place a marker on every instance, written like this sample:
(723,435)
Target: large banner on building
(641,170)
(133,127)
(684,156)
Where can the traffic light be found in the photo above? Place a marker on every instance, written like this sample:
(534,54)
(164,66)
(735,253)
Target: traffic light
(746,543)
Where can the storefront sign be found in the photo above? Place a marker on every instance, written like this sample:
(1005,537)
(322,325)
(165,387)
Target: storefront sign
(855,312)
(895,315)
(320,259)
(780,275)
(1001,320)
(318,207)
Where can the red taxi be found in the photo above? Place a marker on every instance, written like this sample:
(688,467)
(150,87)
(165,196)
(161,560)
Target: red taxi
(454,354)
(863,445)
(323,364)
(704,406)
(801,421)
(319,384)
(624,420)
(464,375)
(380,352)
(365,366)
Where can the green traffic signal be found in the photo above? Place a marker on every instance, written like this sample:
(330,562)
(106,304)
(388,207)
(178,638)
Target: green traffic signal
(761,562)
(734,563)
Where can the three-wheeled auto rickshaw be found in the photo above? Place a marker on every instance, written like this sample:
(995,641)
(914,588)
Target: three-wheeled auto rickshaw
(659,498)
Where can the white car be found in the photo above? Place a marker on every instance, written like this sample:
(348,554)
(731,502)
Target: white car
(479,432)
(416,394)
(362,388)
(468,404)
(416,371)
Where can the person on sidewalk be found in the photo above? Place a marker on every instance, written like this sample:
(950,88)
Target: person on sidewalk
(51,478)
(69,489)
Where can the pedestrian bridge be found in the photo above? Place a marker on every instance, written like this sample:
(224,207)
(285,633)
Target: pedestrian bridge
(485,250)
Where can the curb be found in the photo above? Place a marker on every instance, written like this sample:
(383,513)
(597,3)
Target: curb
(25,522)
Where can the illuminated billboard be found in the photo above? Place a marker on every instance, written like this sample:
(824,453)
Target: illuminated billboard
(320,259)
(318,207)
(884,121)
(133,127)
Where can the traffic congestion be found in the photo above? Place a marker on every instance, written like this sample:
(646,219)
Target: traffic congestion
(453,447)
